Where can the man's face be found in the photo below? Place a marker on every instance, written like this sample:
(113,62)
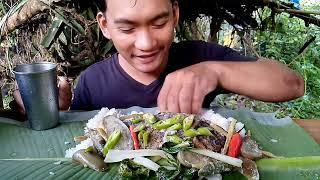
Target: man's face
(142,31)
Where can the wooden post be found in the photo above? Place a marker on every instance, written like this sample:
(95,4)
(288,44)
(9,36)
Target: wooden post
(311,126)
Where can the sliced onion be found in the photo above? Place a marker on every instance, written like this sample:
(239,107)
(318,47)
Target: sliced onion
(119,155)
(226,159)
(146,163)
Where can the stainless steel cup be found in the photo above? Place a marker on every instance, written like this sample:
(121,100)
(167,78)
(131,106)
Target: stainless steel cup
(37,84)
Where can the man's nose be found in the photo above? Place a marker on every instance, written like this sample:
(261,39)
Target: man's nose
(145,41)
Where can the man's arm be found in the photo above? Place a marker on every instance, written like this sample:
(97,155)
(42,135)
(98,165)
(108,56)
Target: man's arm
(267,80)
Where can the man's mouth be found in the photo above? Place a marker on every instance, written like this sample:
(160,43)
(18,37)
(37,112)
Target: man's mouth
(146,58)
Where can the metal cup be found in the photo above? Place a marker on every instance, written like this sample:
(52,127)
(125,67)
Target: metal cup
(37,84)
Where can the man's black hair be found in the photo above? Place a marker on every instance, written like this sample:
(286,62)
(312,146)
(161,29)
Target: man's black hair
(102,4)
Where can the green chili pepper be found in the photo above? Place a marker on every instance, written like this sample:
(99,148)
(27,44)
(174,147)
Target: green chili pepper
(89,149)
(136,121)
(164,162)
(140,135)
(179,118)
(161,125)
(175,127)
(164,124)
(155,158)
(187,122)
(138,128)
(191,133)
(145,137)
(112,141)
(174,120)
(204,131)
(150,118)
(175,139)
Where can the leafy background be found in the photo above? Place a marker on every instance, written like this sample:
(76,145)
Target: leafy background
(66,32)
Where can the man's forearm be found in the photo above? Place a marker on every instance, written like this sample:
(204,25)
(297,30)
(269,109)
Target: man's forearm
(265,80)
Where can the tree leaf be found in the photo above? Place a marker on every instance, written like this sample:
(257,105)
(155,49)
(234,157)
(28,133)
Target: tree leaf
(71,23)
(290,168)
(52,33)
(12,10)
(63,38)
(51,169)
(107,48)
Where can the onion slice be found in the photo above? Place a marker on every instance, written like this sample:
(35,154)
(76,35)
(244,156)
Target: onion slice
(146,163)
(119,155)
(226,159)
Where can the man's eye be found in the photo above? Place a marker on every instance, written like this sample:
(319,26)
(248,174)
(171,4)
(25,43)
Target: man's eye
(126,30)
(159,25)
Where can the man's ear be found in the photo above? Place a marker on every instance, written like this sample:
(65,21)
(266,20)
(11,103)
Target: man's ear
(176,12)
(102,21)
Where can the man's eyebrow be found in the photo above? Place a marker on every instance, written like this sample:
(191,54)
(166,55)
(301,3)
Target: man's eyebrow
(123,21)
(161,15)
(127,21)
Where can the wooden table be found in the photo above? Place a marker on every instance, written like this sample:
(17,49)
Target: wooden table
(311,126)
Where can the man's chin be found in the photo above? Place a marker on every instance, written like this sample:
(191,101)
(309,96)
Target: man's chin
(147,67)
(147,70)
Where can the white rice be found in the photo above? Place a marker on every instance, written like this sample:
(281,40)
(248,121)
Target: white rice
(83,145)
(97,119)
(223,122)
(217,119)
(135,112)
(92,124)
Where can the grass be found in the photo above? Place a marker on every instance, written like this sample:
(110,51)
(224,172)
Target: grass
(6,101)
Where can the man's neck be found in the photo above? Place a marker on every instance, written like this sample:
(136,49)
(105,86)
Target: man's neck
(142,77)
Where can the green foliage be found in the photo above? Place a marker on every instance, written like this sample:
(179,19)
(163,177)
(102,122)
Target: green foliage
(6,101)
(283,38)
(284,44)
(283,41)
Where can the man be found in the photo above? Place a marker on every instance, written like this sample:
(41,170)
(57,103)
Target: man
(149,70)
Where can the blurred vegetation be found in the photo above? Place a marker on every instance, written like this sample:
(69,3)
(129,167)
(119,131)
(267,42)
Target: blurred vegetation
(66,32)
(285,41)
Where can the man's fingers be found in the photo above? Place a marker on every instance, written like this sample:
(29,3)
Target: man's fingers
(162,97)
(186,97)
(18,99)
(173,98)
(197,99)
(65,94)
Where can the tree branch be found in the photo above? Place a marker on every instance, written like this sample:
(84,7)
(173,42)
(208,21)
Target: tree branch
(295,11)
(307,44)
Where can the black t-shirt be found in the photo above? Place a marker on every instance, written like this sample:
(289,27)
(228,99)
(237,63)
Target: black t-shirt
(106,84)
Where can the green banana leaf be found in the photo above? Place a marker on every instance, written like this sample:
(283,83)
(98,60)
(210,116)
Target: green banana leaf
(29,154)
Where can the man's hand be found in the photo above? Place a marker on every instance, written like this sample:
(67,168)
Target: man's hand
(184,90)
(266,80)
(65,96)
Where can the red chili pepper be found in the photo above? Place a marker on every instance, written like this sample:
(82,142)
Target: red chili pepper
(134,137)
(235,145)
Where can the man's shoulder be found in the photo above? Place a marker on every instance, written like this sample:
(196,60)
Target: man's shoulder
(194,51)
(102,66)
(194,43)
(105,62)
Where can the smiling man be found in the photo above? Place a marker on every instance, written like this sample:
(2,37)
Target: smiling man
(149,70)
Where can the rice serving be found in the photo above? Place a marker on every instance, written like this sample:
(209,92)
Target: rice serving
(92,124)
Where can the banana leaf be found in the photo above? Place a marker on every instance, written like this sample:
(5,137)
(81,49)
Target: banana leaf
(29,154)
